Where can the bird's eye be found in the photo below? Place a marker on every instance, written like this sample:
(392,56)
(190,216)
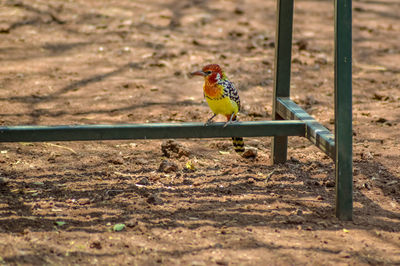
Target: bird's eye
(208,72)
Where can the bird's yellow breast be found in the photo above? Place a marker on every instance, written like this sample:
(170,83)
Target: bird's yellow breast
(222,106)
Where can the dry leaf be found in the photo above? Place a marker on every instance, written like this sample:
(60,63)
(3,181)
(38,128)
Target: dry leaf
(189,165)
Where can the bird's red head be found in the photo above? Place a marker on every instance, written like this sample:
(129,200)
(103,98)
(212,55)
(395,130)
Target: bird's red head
(211,73)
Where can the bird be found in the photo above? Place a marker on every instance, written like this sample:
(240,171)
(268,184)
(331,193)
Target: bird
(222,98)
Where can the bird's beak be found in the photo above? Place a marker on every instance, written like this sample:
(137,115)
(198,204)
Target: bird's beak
(198,73)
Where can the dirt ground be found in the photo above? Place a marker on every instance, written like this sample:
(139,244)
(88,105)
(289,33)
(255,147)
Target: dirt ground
(191,202)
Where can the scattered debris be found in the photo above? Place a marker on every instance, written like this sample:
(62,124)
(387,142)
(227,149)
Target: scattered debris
(144,181)
(172,149)
(154,199)
(60,223)
(167,167)
(302,44)
(238,11)
(118,227)
(116,161)
(321,60)
(296,219)
(250,154)
(60,146)
(190,165)
(381,120)
(96,244)
(330,183)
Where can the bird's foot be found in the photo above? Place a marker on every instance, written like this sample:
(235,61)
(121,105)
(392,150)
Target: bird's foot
(231,120)
(227,123)
(209,122)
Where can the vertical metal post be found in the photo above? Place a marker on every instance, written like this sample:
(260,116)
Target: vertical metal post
(343,110)
(283,57)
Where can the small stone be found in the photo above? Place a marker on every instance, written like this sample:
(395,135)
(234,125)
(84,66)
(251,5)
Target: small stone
(377,96)
(96,245)
(302,44)
(387,123)
(297,61)
(367,155)
(250,154)
(238,11)
(116,161)
(381,120)
(144,181)
(132,223)
(330,183)
(196,42)
(322,60)
(167,167)
(271,44)
(221,262)
(309,182)
(154,199)
(296,219)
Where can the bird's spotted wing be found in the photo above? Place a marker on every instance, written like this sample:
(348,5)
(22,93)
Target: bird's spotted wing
(230,91)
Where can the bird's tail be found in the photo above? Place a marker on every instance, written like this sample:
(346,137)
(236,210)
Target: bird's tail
(238,143)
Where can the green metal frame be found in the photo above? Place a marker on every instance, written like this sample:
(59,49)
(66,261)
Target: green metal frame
(338,146)
(150,131)
(289,118)
(343,110)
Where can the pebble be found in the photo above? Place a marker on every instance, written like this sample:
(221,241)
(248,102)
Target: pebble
(167,167)
(296,219)
(144,181)
(250,154)
(154,199)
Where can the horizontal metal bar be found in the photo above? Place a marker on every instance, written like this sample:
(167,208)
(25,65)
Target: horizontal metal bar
(315,132)
(150,131)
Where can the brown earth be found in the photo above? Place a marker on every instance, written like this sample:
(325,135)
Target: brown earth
(96,62)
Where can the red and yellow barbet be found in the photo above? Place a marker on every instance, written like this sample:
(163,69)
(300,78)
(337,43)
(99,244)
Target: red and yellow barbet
(222,97)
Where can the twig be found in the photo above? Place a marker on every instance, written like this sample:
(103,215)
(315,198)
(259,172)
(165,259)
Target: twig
(62,147)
